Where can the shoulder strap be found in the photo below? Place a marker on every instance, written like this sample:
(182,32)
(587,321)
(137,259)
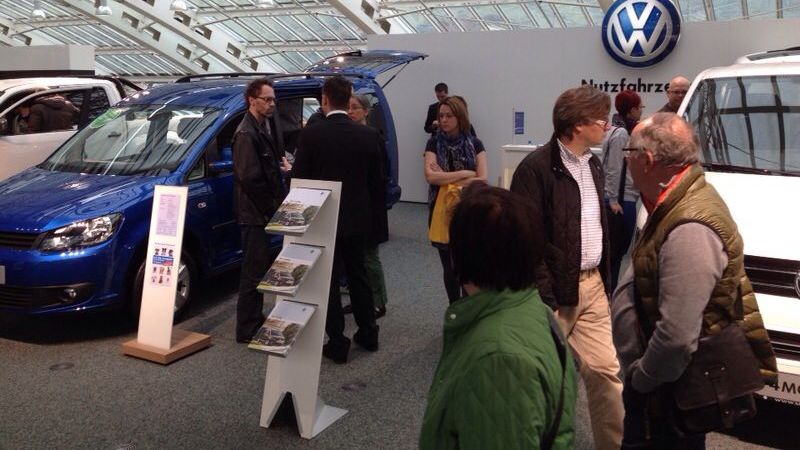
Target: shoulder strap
(561,347)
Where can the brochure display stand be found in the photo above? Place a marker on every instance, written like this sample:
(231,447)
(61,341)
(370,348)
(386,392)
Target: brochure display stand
(156,340)
(297,372)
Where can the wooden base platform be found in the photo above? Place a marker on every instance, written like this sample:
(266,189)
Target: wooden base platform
(184,343)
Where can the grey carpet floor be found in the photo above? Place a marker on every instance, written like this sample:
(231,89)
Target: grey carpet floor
(64,383)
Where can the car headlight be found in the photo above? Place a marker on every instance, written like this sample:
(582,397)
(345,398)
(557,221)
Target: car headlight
(83,233)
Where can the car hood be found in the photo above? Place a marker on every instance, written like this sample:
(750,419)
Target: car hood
(37,200)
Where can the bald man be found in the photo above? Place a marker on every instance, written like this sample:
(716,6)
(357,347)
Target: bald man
(676,90)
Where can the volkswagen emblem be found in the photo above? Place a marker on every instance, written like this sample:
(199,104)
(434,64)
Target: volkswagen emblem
(640,33)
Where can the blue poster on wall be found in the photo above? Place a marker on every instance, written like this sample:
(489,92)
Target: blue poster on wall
(519,122)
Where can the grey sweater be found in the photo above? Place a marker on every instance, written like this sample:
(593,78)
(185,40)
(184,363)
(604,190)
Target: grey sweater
(690,263)
(613,142)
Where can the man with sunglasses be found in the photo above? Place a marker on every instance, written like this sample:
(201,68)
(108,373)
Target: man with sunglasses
(676,91)
(259,189)
(564,182)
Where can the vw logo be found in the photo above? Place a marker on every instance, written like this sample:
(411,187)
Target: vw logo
(640,33)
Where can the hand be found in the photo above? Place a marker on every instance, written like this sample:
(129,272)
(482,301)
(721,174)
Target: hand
(286,166)
(615,207)
(435,124)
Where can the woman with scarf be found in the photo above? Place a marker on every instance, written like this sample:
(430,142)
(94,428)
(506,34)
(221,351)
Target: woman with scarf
(453,158)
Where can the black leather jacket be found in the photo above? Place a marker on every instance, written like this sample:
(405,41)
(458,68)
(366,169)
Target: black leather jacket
(543,178)
(259,187)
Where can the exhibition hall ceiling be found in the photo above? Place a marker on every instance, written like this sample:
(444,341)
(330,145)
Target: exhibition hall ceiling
(163,38)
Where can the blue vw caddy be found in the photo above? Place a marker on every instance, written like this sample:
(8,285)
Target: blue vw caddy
(73,229)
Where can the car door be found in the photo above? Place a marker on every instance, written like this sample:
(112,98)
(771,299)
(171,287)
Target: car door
(20,150)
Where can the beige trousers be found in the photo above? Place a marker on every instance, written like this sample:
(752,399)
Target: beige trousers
(587,327)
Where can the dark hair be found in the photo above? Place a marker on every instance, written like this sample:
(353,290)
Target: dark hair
(578,106)
(440,87)
(254,88)
(338,90)
(459,109)
(495,239)
(626,101)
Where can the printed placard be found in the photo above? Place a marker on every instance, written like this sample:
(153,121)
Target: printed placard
(163,263)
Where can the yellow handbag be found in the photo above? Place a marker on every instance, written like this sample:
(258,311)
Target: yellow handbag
(446,201)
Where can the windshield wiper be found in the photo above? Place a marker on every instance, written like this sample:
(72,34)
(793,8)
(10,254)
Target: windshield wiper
(716,167)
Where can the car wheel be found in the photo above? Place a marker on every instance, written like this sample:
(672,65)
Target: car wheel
(184,292)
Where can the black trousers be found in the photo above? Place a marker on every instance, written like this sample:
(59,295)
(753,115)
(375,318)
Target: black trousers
(256,259)
(451,284)
(349,258)
(642,431)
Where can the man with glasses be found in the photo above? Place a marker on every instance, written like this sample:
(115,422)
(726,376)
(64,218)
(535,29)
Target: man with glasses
(676,90)
(564,182)
(259,189)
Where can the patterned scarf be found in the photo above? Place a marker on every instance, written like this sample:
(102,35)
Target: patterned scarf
(453,154)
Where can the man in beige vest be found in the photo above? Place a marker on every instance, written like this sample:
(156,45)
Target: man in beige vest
(687,266)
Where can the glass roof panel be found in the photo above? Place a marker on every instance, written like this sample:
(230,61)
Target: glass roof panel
(516,16)
(538,15)
(238,31)
(279,29)
(420,23)
(285,63)
(490,15)
(467,20)
(791,8)
(761,9)
(572,15)
(338,26)
(693,10)
(727,9)
(291,23)
(550,14)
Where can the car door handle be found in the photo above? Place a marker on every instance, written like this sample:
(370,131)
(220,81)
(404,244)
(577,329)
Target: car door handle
(201,205)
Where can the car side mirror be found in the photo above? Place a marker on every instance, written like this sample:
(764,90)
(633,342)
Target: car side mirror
(220,167)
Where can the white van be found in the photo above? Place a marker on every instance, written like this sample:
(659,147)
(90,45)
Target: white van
(20,150)
(747,117)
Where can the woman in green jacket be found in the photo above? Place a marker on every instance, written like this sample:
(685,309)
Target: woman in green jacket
(500,379)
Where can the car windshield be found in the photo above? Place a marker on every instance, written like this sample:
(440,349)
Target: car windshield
(749,123)
(133,140)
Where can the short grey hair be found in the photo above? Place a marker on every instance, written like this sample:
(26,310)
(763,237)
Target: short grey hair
(670,139)
(363,100)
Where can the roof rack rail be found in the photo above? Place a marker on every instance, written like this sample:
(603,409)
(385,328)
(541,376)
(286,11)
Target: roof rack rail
(189,78)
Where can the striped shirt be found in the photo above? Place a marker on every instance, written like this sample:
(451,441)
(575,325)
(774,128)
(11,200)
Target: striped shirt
(591,227)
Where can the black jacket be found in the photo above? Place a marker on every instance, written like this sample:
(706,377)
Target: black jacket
(338,149)
(259,187)
(433,112)
(543,178)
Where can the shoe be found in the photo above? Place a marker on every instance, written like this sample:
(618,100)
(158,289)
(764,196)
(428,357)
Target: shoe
(380,312)
(348,309)
(337,350)
(367,342)
(244,340)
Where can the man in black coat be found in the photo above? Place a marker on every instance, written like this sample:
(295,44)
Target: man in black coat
(432,120)
(339,149)
(258,191)
(564,182)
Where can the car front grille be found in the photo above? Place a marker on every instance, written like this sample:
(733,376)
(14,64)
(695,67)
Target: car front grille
(786,345)
(17,240)
(773,276)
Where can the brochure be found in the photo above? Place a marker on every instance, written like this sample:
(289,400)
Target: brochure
(297,211)
(289,269)
(280,330)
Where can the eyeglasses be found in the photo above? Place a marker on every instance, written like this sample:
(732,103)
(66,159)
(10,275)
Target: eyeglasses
(629,151)
(604,124)
(267,99)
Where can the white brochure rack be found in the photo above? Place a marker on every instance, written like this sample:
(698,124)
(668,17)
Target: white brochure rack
(298,372)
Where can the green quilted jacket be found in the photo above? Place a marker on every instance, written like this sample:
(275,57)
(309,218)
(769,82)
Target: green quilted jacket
(499,377)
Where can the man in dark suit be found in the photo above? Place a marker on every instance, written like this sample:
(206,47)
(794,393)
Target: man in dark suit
(432,122)
(339,149)
(258,191)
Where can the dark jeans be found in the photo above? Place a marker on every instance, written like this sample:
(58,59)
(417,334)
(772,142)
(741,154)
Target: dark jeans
(451,284)
(256,259)
(349,258)
(620,234)
(643,431)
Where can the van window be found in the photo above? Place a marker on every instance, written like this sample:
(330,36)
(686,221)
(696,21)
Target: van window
(749,122)
(292,115)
